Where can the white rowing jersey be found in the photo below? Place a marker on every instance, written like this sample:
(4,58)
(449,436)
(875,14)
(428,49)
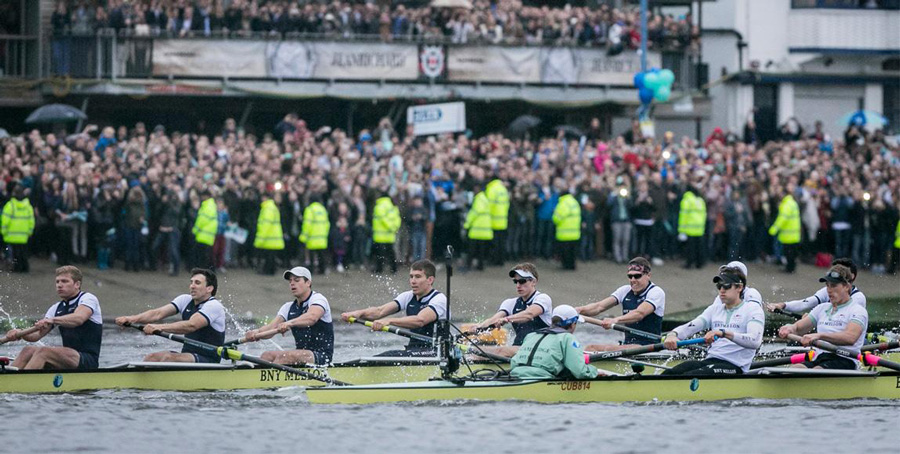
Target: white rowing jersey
(830,319)
(541,299)
(745,322)
(821,297)
(314,299)
(434,300)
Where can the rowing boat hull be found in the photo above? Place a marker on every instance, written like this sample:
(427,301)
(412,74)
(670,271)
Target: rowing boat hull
(186,377)
(624,389)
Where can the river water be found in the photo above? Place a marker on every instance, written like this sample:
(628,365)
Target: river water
(283,421)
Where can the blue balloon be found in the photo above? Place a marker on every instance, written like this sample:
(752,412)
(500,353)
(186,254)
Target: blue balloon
(639,80)
(667,77)
(652,80)
(663,93)
(646,95)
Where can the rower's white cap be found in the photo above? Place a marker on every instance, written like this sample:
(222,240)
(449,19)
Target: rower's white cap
(738,265)
(521,273)
(298,271)
(567,315)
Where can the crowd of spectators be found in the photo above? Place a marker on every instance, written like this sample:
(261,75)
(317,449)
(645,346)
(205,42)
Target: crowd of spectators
(131,194)
(495,22)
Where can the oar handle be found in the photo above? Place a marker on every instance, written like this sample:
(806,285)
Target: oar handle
(393,329)
(789,314)
(20,334)
(637,332)
(259,336)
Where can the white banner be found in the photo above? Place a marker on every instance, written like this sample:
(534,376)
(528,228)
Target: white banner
(549,65)
(493,64)
(437,118)
(300,60)
(287,59)
(596,68)
(206,57)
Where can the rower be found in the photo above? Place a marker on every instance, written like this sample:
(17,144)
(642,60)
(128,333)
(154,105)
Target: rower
(422,304)
(202,319)
(840,321)
(308,317)
(821,296)
(80,326)
(529,312)
(735,330)
(643,305)
(553,352)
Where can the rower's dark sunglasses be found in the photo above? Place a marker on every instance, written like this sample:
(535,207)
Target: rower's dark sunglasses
(521,281)
(634,276)
(727,286)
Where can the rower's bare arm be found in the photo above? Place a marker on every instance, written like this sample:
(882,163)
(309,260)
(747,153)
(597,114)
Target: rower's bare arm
(596,308)
(75,319)
(150,316)
(643,310)
(801,327)
(372,313)
(308,319)
(196,322)
(32,337)
(846,337)
(424,317)
(254,334)
(527,315)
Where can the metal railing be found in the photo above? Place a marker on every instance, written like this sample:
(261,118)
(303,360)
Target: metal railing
(110,55)
(16,53)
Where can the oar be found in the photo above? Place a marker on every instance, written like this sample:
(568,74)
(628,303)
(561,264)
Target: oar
(20,334)
(409,334)
(244,340)
(625,329)
(639,350)
(884,346)
(789,314)
(237,355)
(866,357)
(793,359)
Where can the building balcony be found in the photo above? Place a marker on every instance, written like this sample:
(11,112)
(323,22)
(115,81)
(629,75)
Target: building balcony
(843,30)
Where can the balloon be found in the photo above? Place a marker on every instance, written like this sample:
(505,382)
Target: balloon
(651,80)
(667,77)
(639,80)
(662,93)
(646,95)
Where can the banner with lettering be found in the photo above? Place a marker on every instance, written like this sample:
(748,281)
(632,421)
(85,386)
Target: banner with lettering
(437,118)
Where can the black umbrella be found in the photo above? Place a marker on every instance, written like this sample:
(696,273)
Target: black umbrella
(55,113)
(522,124)
(570,130)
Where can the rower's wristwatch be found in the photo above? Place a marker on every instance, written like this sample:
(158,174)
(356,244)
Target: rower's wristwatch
(723,333)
